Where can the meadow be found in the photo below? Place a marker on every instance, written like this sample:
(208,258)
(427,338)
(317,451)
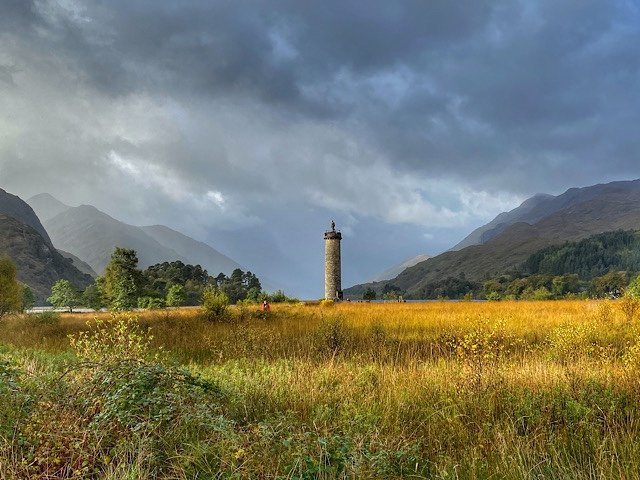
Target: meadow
(516,390)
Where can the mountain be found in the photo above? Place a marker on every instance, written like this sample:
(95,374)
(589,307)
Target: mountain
(84,267)
(499,224)
(574,215)
(46,206)
(17,208)
(198,253)
(92,235)
(540,206)
(39,264)
(396,270)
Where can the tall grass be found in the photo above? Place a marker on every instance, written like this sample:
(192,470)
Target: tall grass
(437,390)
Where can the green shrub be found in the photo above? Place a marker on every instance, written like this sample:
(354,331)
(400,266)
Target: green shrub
(176,296)
(151,303)
(633,290)
(278,297)
(214,303)
(119,338)
(10,289)
(493,296)
(48,317)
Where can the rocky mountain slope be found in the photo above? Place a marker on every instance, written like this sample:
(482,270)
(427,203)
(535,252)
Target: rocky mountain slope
(39,264)
(574,215)
(84,267)
(17,208)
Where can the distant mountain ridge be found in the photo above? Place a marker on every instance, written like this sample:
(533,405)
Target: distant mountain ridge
(540,206)
(523,213)
(91,236)
(197,252)
(574,215)
(396,270)
(47,206)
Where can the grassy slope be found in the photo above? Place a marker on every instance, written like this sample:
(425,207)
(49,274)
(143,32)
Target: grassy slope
(439,390)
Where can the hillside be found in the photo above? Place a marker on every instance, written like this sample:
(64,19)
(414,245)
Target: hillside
(393,272)
(541,206)
(46,206)
(592,257)
(499,224)
(198,253)
(39,264)
(586,211)
(84,267)
(92,235)
(17,208)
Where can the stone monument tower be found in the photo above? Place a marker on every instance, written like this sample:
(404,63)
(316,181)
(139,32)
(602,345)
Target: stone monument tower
(332,273)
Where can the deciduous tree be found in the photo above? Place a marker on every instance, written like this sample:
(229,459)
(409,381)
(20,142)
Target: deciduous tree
(64,295)
(10,289)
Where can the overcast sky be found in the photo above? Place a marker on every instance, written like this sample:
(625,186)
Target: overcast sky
(252,124)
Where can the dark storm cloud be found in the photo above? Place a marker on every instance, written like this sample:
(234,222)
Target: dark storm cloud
(215,47)
(17,14)
(426,113)
(487,82)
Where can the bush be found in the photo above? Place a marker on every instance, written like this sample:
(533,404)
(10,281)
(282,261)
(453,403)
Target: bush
(151,303)
(214,303)
(369,294)
(176,296)
(128,404)
(541,293)
(629,306)
(493,296)
(332,337)
(570,342)
(120,337)
(10,289)
(48,317)
(633,290)
(278,297)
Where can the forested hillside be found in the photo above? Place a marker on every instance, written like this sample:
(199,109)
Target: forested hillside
(597,266)
(588,258)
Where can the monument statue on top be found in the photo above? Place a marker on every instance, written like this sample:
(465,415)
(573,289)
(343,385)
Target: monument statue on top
(332,267)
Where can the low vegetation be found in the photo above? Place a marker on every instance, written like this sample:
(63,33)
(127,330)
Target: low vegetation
(396,390)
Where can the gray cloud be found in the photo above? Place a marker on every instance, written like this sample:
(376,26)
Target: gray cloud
(413,117)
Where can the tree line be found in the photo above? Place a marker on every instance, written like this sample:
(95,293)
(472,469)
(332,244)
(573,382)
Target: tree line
(124,286)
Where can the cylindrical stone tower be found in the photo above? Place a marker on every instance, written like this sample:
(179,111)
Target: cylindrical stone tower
(332,272)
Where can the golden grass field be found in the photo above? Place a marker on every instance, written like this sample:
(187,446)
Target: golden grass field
(355,390)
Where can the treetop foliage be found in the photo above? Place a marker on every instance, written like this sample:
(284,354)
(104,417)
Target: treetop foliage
(11,294)
(123,286)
